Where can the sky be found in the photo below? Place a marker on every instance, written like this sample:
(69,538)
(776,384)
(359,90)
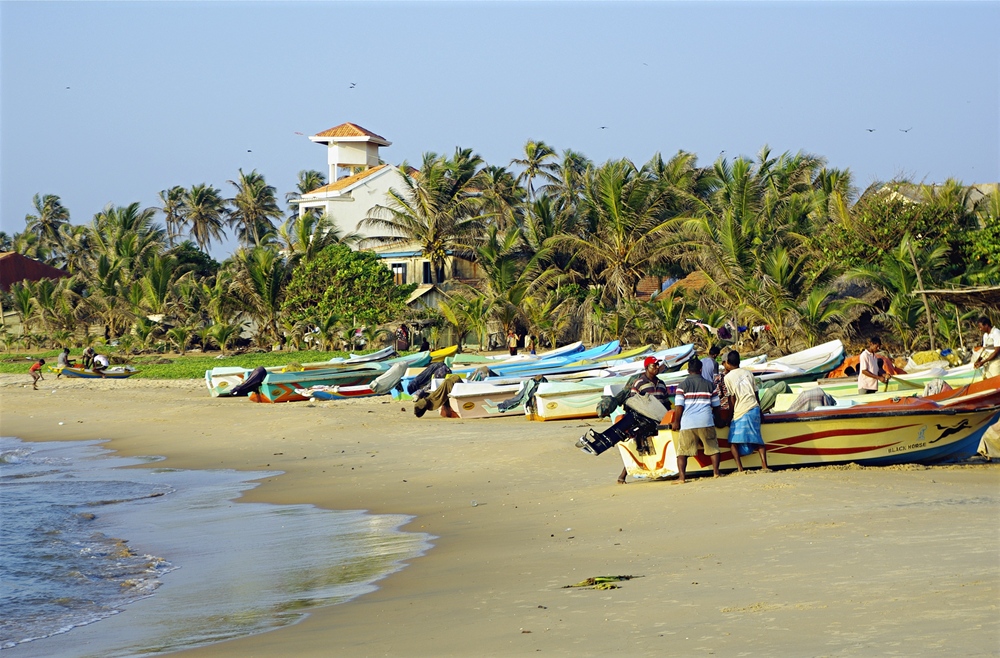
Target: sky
(112,102)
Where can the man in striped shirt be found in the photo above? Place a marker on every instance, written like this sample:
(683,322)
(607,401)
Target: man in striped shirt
(694,421)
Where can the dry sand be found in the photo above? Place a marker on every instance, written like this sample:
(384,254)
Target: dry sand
(813,562)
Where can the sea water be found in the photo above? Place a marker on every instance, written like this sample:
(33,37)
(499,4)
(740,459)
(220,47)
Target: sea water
(96,559)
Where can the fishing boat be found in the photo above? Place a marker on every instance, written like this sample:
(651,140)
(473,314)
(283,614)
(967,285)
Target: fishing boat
(282,386)
(378,386)
(222,380)
(115,372)
(907,383)
(553,364)
(437,356)
(939,428)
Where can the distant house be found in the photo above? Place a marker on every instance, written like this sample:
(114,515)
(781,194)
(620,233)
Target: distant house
(14,267)
(360,181)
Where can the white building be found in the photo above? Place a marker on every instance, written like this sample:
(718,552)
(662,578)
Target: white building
(359,182)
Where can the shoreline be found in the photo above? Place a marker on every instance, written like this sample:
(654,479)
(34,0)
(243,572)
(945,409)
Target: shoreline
(828,560)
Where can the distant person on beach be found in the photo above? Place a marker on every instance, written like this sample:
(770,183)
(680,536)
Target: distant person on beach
(437,399)
(512,342)
(36,373)
(402,338)
(697,407)
(100,364)
(63,361)
(869,369)
(709,364)
(88,357)
(989,359)
(530,345)
(424,345)
(745,428)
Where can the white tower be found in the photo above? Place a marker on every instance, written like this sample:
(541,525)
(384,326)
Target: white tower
(350,149)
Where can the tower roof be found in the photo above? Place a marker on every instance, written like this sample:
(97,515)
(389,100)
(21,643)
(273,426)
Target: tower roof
(350,132)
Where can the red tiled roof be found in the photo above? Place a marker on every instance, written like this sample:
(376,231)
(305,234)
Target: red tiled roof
(347,181)
(350,130)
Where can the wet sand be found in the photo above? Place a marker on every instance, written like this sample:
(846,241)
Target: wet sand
(827,561)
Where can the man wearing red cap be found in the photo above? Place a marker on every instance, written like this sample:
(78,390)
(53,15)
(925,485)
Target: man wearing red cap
(649,384)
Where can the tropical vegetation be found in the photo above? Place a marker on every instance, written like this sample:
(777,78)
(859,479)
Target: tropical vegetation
(563,249)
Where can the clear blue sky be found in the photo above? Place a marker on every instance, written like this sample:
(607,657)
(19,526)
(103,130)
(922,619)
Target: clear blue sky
(113,102)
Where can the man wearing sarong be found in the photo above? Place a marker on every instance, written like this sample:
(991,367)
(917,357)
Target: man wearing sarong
(744,432)
(696,405)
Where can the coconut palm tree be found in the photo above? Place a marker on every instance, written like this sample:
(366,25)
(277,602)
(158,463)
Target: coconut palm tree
(309,180)
(203,211)
(50,215)
(538,162)
(625,227)
(302,237)
(435,209)
(260,278)
(173,211)
(501,197)
(254,208)
(224,335)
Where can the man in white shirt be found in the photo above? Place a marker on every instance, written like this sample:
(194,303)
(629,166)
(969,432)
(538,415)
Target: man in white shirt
(868,370)
(989,358)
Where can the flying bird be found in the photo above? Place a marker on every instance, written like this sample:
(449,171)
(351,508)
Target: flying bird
(604,127)
(871,130)
(249,151)
(353,84)
(67,87)
(298,133)
(906,130)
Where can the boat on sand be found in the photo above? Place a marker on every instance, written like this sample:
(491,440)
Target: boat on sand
(939,428)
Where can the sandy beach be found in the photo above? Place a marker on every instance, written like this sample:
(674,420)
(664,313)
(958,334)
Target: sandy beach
(833,561)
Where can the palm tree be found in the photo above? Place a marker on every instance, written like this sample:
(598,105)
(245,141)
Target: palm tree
(203,210)
(502,198)
(224,334)
(254,208)
(538,162)
(302,237)
(173,211)
(309,180)
(627,228)
(50,215)
(179,337)
(260,282)
(435,209)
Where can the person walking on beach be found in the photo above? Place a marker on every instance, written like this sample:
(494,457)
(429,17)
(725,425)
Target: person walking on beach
(989,358)
(530,345)
(744,432)
(709,365)
(697,407)
(36,373)
(512,342)
(869,369)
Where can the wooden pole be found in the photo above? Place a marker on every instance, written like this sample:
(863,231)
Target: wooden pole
(927,308)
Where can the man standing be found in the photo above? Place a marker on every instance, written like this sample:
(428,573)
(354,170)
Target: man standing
(694,421)
(989,358)
(743,400)
(709,365)
(868,368)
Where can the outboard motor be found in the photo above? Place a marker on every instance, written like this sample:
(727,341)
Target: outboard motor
(643,415)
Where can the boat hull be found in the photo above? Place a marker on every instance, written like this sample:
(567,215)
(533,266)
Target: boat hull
(90,374)
(907,437)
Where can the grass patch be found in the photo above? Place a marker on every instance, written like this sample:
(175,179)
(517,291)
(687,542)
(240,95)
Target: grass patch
(171,366)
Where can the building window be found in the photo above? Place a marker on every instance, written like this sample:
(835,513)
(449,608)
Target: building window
(427,272)
(398,273)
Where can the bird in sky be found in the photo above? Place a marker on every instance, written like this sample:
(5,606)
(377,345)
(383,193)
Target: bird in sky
(871,130)
(906,130)
(249,151)
(604,127)
(298,133)
(353,84)
(67,87)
